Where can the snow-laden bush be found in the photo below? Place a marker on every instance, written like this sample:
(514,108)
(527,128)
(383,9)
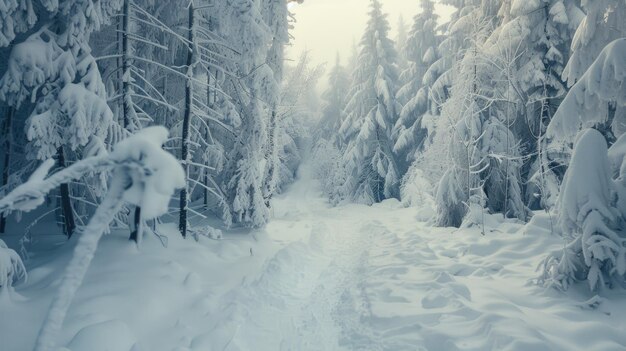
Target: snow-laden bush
(587,214)
(328,170)
(11,267)
(450,199)
(417,191)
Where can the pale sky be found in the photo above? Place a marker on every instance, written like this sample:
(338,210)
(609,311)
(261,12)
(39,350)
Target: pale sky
(325,27)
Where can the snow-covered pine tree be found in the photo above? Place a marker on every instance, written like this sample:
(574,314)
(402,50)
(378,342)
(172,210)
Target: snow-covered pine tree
(591,206)
(15,17)
(481,147)
(421,53)
(372,112)
(589,100)
(53,68)
(243,174)
(587,214)
(276,16)
(603,23)
(462,116)
(334,101)
(298,108)
(433,159)
(451,49)
(532,47)
(401,42)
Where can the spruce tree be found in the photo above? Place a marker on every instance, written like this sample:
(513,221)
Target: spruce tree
(372,113)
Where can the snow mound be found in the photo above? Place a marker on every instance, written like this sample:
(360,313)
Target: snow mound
(106,336)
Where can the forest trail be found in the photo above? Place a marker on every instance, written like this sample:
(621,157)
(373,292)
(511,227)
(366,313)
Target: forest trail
(375,278)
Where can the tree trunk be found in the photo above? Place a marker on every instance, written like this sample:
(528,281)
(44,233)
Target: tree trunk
(184,157)
(136,234)
(211,98)
(209,102)
(127,103)
(270,157)
(69,224)
(126,67)
(8,139)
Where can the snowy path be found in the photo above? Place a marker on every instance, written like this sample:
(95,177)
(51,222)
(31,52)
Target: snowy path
(320,278)
(374,278)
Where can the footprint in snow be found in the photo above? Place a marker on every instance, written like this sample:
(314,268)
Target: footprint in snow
(434,299)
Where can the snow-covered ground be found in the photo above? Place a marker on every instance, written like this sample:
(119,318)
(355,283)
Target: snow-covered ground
(320,278)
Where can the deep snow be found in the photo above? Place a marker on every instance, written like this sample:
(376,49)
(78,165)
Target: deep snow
(319,278)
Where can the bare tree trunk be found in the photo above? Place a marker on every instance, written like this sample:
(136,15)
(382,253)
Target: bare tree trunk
(378,177)
(270,157)
(184,157)
(126,66)
(209,102)
(136,233)
(69,224)
(127,103)
(211,98)
(8,140)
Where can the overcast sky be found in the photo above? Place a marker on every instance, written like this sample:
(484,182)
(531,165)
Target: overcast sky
(325,27)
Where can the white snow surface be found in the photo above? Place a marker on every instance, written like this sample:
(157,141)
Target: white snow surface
(319,278)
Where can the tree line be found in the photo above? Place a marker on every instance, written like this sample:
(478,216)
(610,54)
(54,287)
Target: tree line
(77,77)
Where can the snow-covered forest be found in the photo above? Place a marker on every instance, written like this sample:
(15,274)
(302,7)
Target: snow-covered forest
(172,180)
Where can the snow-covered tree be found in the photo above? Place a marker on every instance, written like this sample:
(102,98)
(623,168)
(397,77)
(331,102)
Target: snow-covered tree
(334,101)
(329,169)
(372,112)
(439,77)
(590,205)
(276,17)
(12,268)
(482,149)
(200,57)
(603,23)
(451,49)
(401,41)
(421,53)
(297,110)
(587,214)
(587,103)
(531,46)
(70,110)
(244,173)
